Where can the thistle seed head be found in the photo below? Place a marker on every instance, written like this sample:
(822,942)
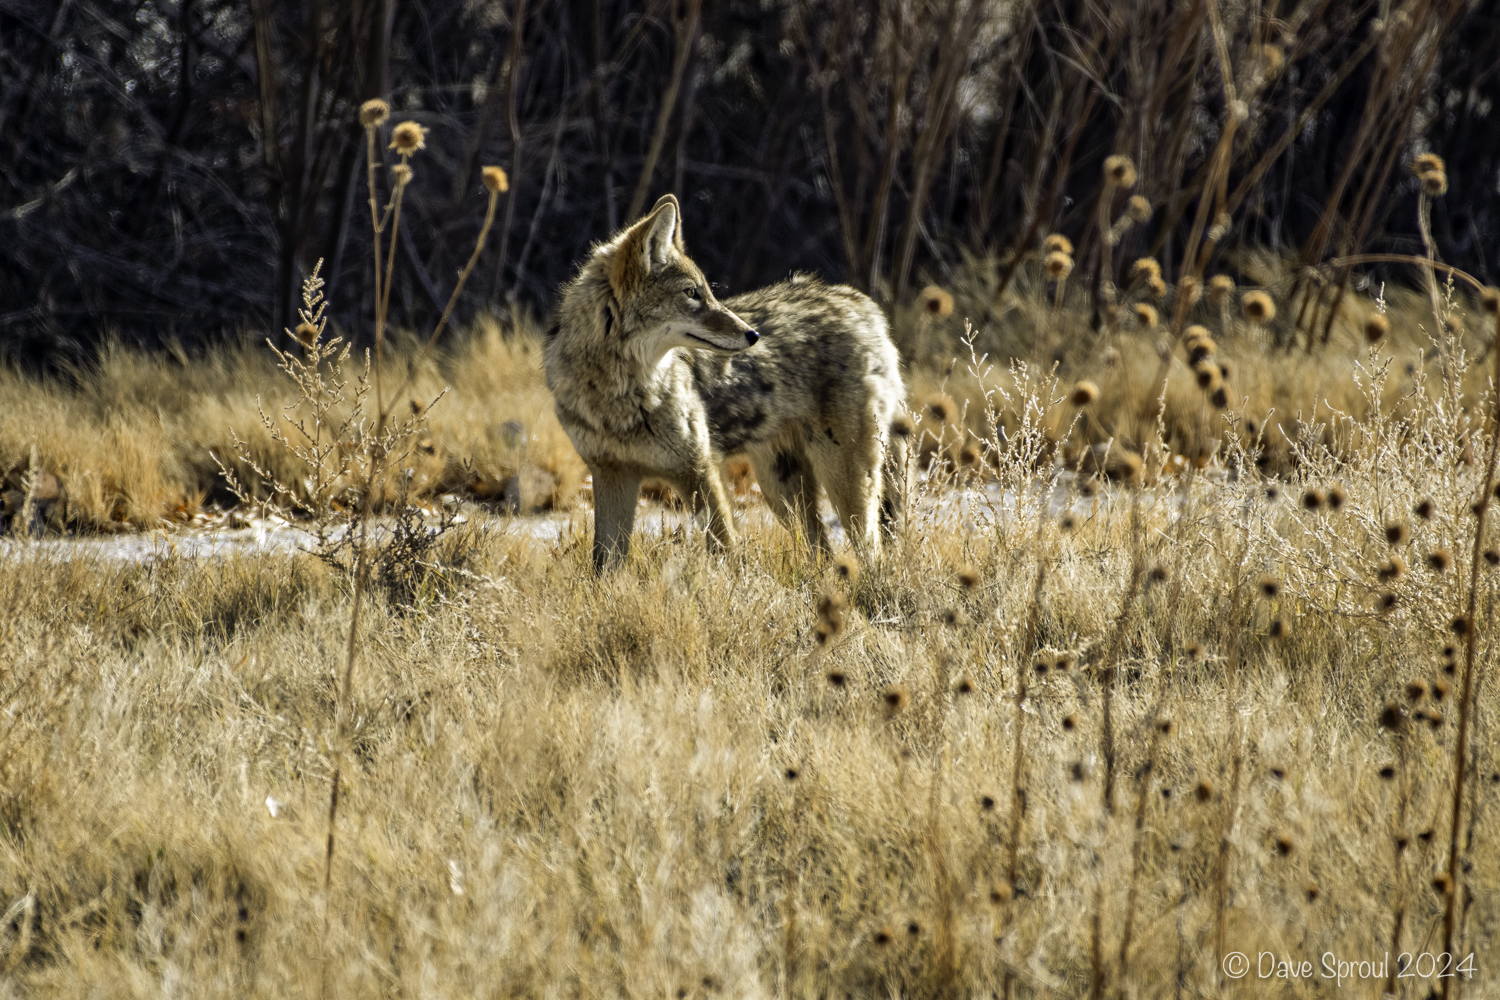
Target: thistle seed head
(1120,171)
(1220,289)
(1427,163)
(495,180)
(1258,307)
(373,113)
(1138,209)
(1057,243)
(408,137)
(1145,314)
(1058,265)
(1144,269)
(1084,393)
(1376,327)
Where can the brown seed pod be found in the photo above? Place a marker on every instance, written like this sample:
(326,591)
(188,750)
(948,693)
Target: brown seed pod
(1489,300)
(1392,717)
(1204,791)
(1313,499)
(1392,569)
(1376,327)
(1270,587)
(1396,533)
(894,700)
(1438,560)
(1424,510)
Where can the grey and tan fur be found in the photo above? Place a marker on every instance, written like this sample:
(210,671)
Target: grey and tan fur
(653,377)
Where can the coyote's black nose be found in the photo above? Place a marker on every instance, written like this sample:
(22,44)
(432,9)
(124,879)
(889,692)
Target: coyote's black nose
(751,337)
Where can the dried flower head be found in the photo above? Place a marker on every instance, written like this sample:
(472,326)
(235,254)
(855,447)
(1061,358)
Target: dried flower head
(968,578)
(893,700)
(1279,629)
(1438,560)
(1442,883)
(1459,626)
(495,180)
(1387,773)
(1392,717)
(1000,892)
(1393,568)
(1271,58)
(1258,307)
(987,803)
(1190,289)
(1058,265)
(1435,184)
(1427,163)
(1138,209)
(1284,845)
(1084,393)
(935,302)
(307,333)
(1376,327)
(1312,892)
(901,426)
(964,686)
(1119,171)
(1207,374)
(373,113)
(401,174)
(1204,791)
(1220,289)
(940,407)
(1313,499)
(1416,689)
(1070,722)
(1145,314)
(883,937)
(1158,574)
(1157,287)
(1337,497)
(1423,509)
(1057,243)
(1144,269)
(1489,300)
(846,568)
(1492,556)
(837,678)
(1196,651)
(408,137)
(1439,690)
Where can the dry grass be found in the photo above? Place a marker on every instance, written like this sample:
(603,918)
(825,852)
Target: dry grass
(582,787)
(131,440)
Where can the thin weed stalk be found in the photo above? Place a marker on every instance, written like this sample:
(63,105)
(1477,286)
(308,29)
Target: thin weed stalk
(1471,636)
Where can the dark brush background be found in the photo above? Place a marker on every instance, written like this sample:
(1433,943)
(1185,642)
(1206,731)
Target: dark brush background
(170,170)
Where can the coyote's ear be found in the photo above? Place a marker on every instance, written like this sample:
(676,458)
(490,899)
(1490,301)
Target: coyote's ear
(663,232)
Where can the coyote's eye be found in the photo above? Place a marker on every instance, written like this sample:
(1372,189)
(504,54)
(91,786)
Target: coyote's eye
(691,291)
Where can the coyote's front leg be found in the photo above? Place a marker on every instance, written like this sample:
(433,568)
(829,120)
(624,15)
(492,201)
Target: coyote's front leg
(615,496)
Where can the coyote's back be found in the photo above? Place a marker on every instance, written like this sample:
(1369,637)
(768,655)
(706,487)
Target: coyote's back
(654,377)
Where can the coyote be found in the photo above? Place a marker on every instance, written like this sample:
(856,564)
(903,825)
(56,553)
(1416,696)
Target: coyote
(653,377)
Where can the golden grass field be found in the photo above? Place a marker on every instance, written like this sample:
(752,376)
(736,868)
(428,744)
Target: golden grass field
(754,775)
